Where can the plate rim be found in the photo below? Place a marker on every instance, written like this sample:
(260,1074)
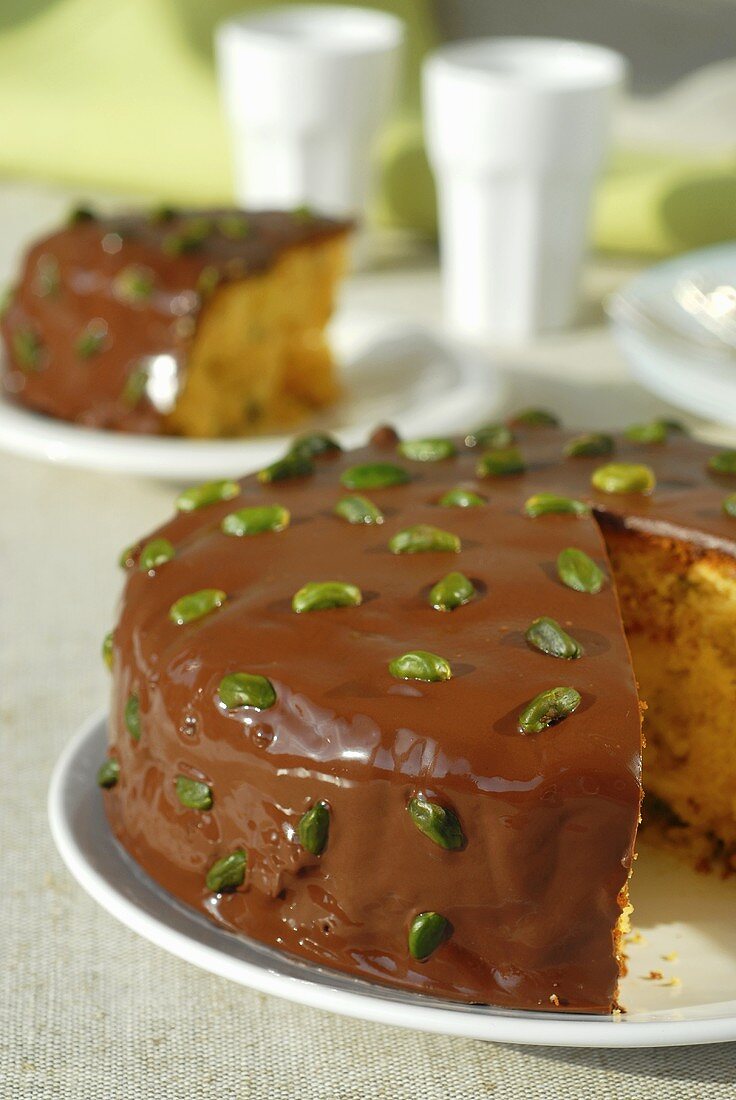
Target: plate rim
(526,1028)
(29,434)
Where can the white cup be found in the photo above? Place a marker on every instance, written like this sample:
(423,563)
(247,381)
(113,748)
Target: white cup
(516,130)
(306,89)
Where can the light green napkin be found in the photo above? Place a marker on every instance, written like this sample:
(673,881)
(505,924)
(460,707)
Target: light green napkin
(121,94)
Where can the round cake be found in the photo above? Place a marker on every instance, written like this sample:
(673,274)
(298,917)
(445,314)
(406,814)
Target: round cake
(197,323)
(378,709)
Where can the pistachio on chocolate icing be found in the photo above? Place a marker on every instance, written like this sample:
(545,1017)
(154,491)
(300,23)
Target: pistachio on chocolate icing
(452,591)
(293,464)
(653,432)
(233,226)
(543,504)
(47,280)
(548,708)
(673,427)
(624,477)
(132,716)
(28,348)
(227,873)
(461,498)
(589,445)
(256,521)
(303,213)
(424,538)
(246,689)
(500,463)
(420,665)
(578,571)
(81,214)
(491,437)
(535,418)
(427,450)
(323,595)
(195,605)
(729,505)
(159,215)
(190,237)
(127,556)
(107,649)
(134,284)
(314,444)
(436,822)
(92,339)
(109,773)
(193,794)
(154,553)
(426,933)
(208,280)
(548,637)
(358,509)
(314,828)
(374,475)
(211,492)
(135,386)
(723,463)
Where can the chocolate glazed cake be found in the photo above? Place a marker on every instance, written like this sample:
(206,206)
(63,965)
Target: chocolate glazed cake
(198,323)
(378,709)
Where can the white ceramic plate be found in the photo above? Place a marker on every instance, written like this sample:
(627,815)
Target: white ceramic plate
(668,351)
(393,372)
(677,911)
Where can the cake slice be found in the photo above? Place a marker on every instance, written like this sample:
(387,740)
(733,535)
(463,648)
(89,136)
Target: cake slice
(203,324)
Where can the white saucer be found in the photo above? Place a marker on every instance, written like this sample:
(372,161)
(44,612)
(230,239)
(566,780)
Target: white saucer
(394,373)
(701,1010)
(668,351)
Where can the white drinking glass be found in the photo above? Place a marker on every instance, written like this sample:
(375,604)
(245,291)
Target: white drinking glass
(306,89)
(517,129)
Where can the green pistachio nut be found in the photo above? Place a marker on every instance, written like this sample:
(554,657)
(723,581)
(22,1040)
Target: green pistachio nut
(427,450)
(548,708)
(92,339)
(79,214)
(653,432)
(436,822)
(374,475)
(193,794)
(195,605)
(27,349)
(420,665)
(155,553)
(729,505)
(723,463)
(535,418)
(134,284)
(256,521)
(491,437)
(452,591)
(592,444)
(246,689)
(578,571)
(624,477)
(294,464)
(314,444)
(109,773)
(314,828)
(132,717)
(210,492)
(234,226)
(227,873)
(544,504)
(426,933)
(501,463)
(323,595)
(358,510)
(461,498)
(548,637)
(107,649)
(424,538)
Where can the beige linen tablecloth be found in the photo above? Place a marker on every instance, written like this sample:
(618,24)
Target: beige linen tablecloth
(90,1011)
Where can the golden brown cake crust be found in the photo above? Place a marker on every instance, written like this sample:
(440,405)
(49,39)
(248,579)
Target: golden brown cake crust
(102,295)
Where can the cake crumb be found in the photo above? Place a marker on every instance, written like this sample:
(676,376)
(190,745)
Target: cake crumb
(554,1000)
(672,982)
(670,957)
(653,976)
(635,937)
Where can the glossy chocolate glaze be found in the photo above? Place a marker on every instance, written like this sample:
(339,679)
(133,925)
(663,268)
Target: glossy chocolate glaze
(71,278)
(550,819)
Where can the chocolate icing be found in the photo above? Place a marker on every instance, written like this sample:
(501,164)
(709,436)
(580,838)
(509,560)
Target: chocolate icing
(71,278)
(550,819)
